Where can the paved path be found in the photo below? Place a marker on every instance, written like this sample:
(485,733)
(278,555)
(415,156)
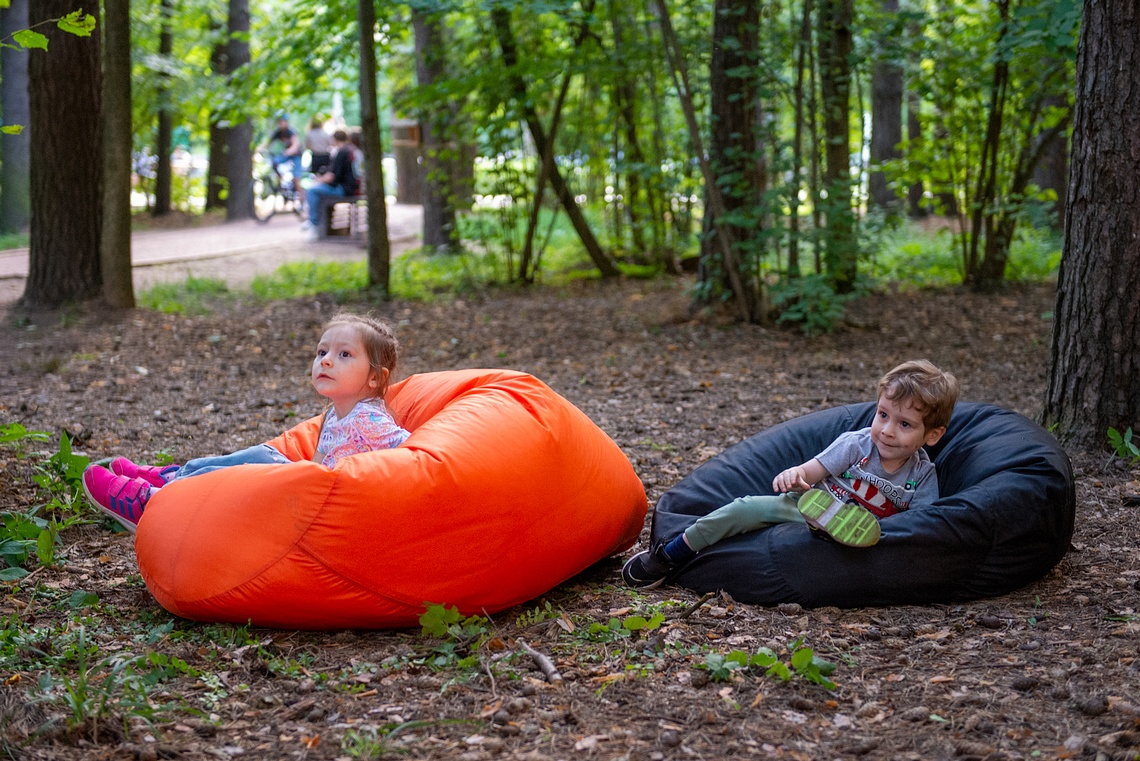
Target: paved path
(234,252)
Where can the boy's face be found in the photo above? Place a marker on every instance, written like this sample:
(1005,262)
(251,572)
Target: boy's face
(898,431)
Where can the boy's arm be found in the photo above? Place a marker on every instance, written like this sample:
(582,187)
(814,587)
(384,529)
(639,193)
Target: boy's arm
(800,478)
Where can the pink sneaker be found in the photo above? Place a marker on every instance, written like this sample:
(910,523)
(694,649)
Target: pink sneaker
(120,497)
(152,474)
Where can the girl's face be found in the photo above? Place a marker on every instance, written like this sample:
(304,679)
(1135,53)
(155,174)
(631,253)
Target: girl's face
(341,370)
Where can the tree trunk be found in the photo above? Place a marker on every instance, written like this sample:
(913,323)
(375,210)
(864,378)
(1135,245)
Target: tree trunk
(733,148)
(239,145)
(886,116)
(219,136)
(118,289)
(1052,172)
(379,248)
(501,19)
(835,42)
(15,150)
(67,162)
(162,141)
(803,47)
(1094,369)
(440,230)
(915,208)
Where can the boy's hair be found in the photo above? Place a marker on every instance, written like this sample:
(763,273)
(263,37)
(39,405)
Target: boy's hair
(379,339)
(340,135)
(930,390)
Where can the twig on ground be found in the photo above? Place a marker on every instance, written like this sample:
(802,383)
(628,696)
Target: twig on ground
(693,608)
(544,664)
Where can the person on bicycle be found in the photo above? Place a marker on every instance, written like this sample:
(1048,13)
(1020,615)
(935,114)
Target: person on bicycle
(290,151)
(339,180)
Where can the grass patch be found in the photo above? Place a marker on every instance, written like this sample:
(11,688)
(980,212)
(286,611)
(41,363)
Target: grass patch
(13,240)
(910,255)
(192,296)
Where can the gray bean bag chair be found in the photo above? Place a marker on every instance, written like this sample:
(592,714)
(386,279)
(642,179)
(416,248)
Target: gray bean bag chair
(1004,519)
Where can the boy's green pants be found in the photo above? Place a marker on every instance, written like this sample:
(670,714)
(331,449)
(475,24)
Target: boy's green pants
(741,515)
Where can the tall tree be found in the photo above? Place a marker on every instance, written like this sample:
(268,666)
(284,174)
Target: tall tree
(501,20)
(115,258)
(886,109)
(440,230)
(379,247)
(835,39)
(218,162)
(239,143)
(162,141)
(734,151)
(15,154)
(67,162)
(1094,368)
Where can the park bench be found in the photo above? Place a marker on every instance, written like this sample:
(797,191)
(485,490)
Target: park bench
(344,217)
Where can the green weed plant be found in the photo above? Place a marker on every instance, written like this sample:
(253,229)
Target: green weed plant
(804,663)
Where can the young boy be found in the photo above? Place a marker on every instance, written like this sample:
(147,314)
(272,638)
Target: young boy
(862,476)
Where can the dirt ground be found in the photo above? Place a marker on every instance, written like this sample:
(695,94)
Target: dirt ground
(1050,671)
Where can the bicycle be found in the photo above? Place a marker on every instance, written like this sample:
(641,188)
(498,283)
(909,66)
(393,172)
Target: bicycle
(274,190)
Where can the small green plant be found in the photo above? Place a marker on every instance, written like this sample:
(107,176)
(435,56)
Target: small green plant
(442,621)
(545,612)
(18,436)
(96,692)
(804,663)
(1123,446)
(372,742)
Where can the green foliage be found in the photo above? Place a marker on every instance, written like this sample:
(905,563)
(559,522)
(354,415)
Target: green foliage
(804,663)
(109,687)
(191,296)
(1123,446)
(298,279)
(811,301)
(442,621)
(373,742)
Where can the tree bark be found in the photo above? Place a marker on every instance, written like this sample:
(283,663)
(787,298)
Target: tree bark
(1052,172)
(218,160)
(440,149)
(733,147)
(886,116)
(1094,368)
(115,258)
(162,141)
(15,150)
(67,163)
(239,143)
(379,247)
(835,41)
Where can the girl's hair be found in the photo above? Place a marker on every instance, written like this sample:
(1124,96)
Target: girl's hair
(931,391)
(379,339)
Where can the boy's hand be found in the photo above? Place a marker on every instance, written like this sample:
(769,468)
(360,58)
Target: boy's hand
(792,479)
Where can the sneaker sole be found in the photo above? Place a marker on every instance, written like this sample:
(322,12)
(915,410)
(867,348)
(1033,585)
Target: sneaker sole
(848,524)
(635,583)
(132,528)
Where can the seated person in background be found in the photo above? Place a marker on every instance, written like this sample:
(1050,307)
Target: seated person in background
(319,144)
(842,492)
(340,180)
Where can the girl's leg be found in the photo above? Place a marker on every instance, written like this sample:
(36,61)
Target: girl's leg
(741,515)
(259,454)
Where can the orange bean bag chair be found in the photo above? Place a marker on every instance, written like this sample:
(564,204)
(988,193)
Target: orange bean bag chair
(503,490)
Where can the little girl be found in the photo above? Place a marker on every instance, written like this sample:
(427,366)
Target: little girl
(355,360)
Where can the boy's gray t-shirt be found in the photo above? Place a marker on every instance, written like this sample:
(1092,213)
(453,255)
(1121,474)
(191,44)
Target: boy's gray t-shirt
(855,474)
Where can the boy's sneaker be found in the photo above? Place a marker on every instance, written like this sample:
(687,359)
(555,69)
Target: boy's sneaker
(849,524)
(152,474)
(647,569)
(120,497)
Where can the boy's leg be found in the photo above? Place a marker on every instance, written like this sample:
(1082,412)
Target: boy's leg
(741,515)
(846,523)
(259,454)
(648,569)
